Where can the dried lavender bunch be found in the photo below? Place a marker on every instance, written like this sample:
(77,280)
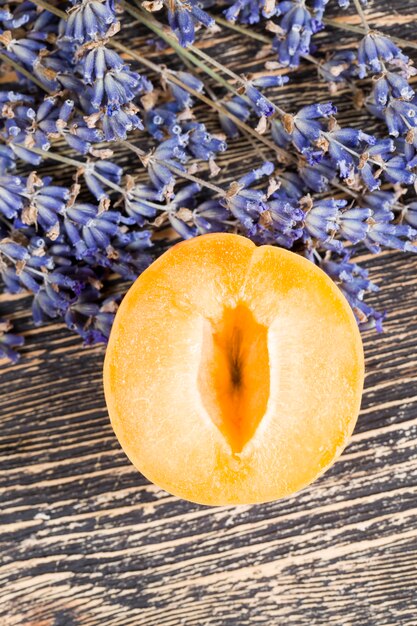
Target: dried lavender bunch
(77,95)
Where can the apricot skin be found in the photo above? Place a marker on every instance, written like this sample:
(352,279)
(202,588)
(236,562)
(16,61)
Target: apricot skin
(233,373)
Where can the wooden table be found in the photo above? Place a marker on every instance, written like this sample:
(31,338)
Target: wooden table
(86,540)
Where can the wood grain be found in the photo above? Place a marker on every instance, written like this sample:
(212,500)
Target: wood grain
(86,540)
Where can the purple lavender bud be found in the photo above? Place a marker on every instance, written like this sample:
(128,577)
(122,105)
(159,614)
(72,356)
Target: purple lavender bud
(382,147)
(182,228)
(321,222)
(399,85)
(291,187)
(270,81)
(250,12)
(26,50)
(383,232)
(182,25)
(410,214)
(379,200)
(117,121)
(318,176)
(339,67)
(46,203)
(381,91)
(353,224)
(99,61)
(298,25)
(201,144)
(181,95)
(185,197)
(13,250)
(161,177)
(376,49)
(354,283)
(262,105)
(211,216)
(88,20)
(237,107)
(11,195)
(9,341)
(395,170)
(279,134)
(254,175)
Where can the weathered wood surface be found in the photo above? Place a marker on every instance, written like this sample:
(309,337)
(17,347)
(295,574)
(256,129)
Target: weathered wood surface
(85,540)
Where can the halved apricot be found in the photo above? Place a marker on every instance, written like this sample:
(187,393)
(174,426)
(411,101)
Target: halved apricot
(234,373)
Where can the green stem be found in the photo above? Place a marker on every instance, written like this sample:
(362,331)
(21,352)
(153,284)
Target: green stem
(51,8)
(241,29)
(361,14)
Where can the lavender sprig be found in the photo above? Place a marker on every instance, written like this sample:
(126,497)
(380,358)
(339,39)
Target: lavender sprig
(76,87)
(9,342)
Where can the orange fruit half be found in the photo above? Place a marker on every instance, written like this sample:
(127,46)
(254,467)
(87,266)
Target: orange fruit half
(233,373)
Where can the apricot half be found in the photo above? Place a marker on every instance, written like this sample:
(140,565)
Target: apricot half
(234,373)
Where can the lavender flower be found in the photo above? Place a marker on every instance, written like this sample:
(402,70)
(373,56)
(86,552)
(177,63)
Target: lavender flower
(354,284)
(251,11)
(376,49)
(182,97)
(303,129)
(62,243)
(169,153)
(247,204)
(88,230)
(383,232)
(210,217)
(162,120)
(9,342)
(117,121)
(339,67)
(321,222)
(141,202)
(280,223)
(179,213)
(201,144)
(24,50)
(237,107)
(12,190)
(22,267)
(90,318)
(290,187)
(354,152)
(261,105)
(409,214)
(88,20)
(97,173)
(344,4)
(183,17)
(44,203)
(317,176)
(296,29)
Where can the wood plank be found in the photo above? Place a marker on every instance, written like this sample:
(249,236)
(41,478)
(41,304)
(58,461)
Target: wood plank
(86,540)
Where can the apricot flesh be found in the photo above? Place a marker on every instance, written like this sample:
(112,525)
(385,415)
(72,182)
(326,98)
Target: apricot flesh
(233,373)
